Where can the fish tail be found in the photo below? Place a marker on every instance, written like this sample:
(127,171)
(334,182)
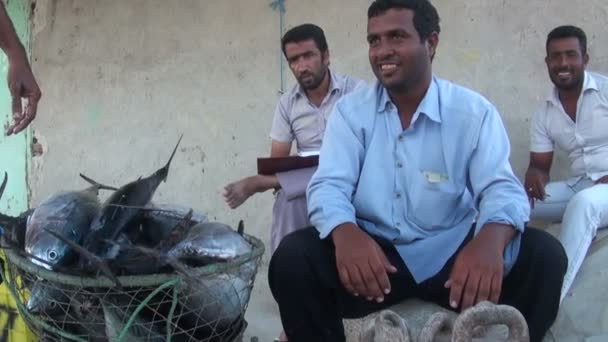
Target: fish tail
(241,228)
(97,184)
(7,222)
(3,186)
(165,169)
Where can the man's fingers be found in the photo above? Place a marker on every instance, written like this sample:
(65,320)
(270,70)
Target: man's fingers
(470,290)
(32,107)
(16,106)
(21,125)
(496,288)
(372,283)
(357,281)
(345,279)
(531,200)
(485,288)
(382,284)
(456,284)
(387,264)
(540,189)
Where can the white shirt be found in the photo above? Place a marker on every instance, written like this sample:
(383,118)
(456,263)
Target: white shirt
(586,140)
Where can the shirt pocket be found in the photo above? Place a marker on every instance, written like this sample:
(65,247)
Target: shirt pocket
(433,201)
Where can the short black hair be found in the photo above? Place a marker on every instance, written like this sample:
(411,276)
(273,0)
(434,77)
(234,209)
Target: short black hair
(305,32)
(426,18)
(568,31)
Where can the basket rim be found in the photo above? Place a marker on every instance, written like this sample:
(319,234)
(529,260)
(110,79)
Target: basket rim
(101,281)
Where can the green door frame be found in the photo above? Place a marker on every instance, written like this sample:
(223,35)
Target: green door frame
(15,154)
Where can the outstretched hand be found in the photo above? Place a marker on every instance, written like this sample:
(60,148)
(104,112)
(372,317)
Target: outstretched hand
(22,85)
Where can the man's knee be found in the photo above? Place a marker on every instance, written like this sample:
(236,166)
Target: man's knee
(291,255)
(545,251)
(583,203)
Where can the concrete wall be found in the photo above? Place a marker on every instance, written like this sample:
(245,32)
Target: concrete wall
(122,79)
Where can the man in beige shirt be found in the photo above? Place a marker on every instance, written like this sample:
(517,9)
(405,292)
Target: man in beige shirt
(300,116)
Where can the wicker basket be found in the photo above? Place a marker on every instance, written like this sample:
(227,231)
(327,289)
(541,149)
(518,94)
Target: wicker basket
(207,305)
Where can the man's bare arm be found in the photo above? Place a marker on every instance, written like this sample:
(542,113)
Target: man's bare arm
(20,79)
(538,174)
(238,192)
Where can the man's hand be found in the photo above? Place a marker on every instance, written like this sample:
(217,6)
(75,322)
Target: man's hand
(22,84)
(361,263)
(478,270)
(603,180)
(535,184)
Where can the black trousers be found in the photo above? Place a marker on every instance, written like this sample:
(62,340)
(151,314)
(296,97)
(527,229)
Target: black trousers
(312,301)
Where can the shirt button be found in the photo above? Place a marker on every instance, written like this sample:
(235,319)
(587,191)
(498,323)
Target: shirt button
(399,165)
(401,138)
(398,195)
(398,224)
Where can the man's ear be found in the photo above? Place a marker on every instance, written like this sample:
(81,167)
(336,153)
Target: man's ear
(326,57)
(431,42)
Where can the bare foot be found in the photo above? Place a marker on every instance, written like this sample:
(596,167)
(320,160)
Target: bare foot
(237,193)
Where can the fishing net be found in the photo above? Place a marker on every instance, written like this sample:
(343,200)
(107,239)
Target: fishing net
(207,304)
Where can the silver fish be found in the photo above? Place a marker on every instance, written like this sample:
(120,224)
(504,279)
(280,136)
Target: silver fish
(210,242)
(158,222)
(116,314)
(68,213)
(121,209)
(48,299)
(220,299)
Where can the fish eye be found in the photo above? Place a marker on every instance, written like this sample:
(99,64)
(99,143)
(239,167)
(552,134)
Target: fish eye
(52,255)
(52,304)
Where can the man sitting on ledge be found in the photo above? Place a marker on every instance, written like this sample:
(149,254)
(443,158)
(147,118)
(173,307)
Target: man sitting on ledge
(414,197)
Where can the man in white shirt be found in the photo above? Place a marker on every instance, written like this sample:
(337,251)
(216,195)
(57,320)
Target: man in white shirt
(575,118)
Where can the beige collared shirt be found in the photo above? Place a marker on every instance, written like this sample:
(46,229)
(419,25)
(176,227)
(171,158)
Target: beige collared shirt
(296,118)
(586,140)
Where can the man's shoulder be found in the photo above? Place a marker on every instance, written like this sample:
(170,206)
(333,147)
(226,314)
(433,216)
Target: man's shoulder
(460,101)
(288,97)
(347,83)
(601,81)
(364,96)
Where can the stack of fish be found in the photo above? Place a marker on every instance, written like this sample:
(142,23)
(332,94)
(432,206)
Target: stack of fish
(73,233)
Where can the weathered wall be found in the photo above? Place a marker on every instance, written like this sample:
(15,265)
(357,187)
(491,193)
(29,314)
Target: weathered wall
(122,80)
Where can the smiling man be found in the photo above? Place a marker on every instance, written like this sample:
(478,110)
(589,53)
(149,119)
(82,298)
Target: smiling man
(414,197)
(575,118)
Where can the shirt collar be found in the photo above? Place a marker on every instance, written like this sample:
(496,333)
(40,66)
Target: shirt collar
(429,105)
(589,83)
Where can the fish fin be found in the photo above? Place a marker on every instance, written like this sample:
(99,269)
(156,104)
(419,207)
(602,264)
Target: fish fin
(165,170)
(103,266)
(180,229)
(241,228)
(96,184)
(166,259)
(3,186)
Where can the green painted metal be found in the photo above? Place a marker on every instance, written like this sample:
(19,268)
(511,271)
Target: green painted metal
(15,153)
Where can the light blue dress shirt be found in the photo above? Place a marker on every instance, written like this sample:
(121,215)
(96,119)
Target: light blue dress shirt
(421,188)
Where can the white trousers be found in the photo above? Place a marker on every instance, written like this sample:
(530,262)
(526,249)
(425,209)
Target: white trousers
(582,206)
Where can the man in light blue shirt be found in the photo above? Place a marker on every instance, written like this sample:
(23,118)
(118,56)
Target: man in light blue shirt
(414,197)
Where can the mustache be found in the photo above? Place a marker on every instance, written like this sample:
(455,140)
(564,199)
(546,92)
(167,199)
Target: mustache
(305,74)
